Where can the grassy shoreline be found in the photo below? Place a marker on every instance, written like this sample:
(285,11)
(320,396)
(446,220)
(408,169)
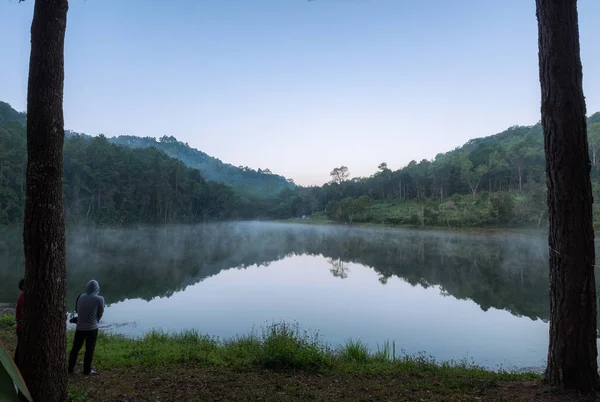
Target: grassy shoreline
(280,362)
(278,346)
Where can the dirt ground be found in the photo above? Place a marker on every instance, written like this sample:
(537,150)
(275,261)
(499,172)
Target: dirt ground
(221,384)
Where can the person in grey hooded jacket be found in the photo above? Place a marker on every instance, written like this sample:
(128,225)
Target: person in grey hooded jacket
(90,308)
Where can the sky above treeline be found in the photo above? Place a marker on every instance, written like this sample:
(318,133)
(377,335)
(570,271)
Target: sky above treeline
(295,86)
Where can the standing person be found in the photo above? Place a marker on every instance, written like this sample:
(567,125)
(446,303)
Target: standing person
(18,316)
(89,308)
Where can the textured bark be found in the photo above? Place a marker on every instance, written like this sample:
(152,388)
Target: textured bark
(43,361)
(572,351)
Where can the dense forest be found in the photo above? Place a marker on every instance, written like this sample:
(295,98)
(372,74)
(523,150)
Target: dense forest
(261,183)
(492,181)
(7,113)
(109,184)
(496,180)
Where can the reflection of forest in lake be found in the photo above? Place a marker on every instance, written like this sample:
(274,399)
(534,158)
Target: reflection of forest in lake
(506,272)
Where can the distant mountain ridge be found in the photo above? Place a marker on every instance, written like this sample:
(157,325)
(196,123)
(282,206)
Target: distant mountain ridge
(513,133)
(7,113)
(261,183)
(258,183)
(266,185)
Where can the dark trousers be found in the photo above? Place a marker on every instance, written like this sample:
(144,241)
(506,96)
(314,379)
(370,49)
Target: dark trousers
(89,337)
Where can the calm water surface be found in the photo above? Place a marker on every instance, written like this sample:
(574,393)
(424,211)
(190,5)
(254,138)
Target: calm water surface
(455,296)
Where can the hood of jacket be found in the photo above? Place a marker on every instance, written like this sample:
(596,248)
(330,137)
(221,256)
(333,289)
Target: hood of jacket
(92,288)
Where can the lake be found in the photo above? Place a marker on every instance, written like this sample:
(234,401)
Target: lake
(480,297)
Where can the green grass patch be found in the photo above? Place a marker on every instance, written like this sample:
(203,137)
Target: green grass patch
(7,321)
(284,346)
(280,348)
(354,351)
(76,394)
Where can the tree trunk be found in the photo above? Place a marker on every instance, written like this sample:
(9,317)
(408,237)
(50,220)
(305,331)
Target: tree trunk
(43,362)
(572,350)
(473,189)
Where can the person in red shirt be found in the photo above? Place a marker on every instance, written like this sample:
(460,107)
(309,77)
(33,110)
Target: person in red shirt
(18,316)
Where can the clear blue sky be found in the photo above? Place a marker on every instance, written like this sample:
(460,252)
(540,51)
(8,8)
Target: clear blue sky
(295,86)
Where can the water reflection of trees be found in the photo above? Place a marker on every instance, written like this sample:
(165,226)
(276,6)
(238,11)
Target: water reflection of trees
(505,272)
(339,268)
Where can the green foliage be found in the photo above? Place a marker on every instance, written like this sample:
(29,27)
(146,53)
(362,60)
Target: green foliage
(280,346)
(349,209)
(387,351)
(7,321)
(595,118)
(8,114)
(354,351)
(594,141)
(258,183)
(503,173)
(502,207)
(285,346)
(142,180)
(77,394)
(508,161)
(470,175)
(12,171)
(138,182)
(109,184)
(506,209)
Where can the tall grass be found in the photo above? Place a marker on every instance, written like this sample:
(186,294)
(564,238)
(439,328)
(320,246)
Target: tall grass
(7,321)
(278,346)
(354,351)
(285,346)
(387,351)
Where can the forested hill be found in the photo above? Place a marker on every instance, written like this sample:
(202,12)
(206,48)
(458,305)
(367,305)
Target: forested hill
(257,183)
(492,181)
(105,183)
(7,113)
(514,134)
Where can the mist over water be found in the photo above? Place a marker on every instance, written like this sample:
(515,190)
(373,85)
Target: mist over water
(454,296)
